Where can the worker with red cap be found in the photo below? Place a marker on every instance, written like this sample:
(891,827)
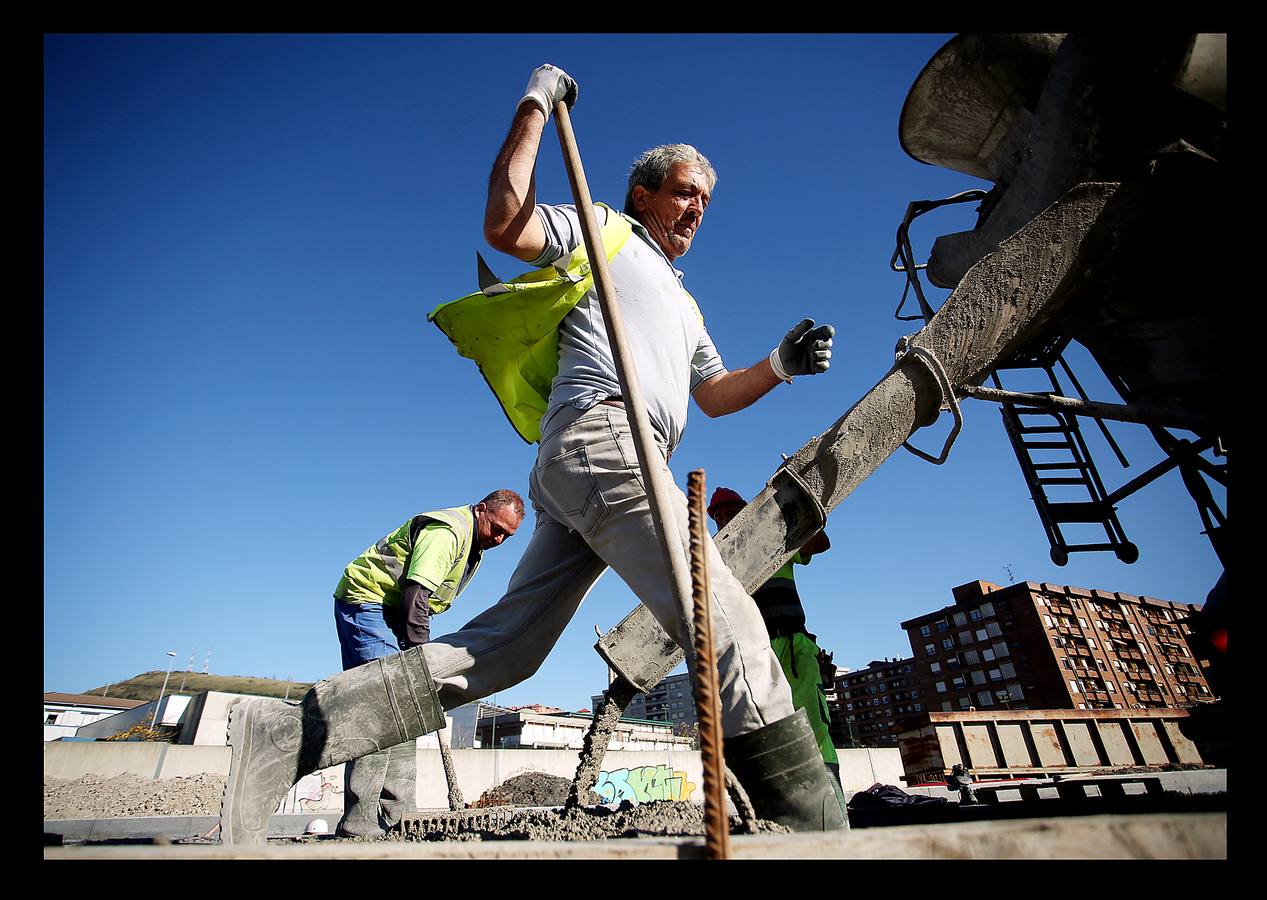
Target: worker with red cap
(796,648)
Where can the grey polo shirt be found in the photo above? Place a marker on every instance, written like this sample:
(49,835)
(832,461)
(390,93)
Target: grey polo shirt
(672,352)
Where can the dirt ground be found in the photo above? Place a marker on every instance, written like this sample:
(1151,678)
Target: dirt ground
(95,797)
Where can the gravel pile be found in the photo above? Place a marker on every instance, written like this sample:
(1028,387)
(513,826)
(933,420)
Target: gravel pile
(530,789)
(97,797)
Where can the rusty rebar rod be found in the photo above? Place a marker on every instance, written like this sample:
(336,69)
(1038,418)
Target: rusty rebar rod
(707,704)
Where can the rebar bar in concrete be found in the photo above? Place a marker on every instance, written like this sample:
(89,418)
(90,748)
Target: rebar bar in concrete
(707,704)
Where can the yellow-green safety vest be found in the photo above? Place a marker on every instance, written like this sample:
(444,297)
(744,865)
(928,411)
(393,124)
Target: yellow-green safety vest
(375,575)
(510,329)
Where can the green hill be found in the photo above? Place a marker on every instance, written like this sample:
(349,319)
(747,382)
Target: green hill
(147,685)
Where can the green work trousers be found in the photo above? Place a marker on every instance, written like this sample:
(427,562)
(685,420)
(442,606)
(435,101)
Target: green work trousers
(798,655)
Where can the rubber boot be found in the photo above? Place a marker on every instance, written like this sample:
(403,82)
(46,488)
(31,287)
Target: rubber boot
(377,790)
(782,769)
(834,769)
(358,712)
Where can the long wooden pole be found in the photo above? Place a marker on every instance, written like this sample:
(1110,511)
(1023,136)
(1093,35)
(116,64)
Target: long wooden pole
(658,494)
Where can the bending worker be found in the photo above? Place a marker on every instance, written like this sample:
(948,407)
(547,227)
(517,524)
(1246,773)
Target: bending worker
(784,618)
(591,508)
(383,605)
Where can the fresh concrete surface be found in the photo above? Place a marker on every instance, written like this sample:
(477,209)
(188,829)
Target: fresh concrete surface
(1157,836)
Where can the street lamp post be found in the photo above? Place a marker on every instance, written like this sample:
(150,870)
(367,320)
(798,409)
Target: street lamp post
(159,704)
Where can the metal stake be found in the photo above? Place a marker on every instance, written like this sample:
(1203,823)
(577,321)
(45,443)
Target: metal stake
(707,705)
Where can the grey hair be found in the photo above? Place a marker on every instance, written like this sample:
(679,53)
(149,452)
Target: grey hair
(499,499)
(653,166)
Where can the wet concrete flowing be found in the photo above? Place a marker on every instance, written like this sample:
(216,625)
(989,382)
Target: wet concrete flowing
(607,713)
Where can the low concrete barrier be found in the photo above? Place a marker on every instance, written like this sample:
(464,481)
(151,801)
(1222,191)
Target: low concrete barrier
(637,776)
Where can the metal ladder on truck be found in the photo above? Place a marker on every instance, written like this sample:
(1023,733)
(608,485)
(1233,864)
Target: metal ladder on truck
(1053,454)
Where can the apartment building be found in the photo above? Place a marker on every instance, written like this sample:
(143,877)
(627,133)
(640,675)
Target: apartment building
(872,706)
(1049,646)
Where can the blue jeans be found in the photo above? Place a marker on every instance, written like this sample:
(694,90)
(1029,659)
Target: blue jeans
(363,633)
(377,788)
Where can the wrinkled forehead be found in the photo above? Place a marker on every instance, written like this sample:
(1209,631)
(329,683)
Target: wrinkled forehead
(693,174)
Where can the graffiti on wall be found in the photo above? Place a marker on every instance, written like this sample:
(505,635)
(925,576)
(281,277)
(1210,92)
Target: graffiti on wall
(643,784)
(317,791)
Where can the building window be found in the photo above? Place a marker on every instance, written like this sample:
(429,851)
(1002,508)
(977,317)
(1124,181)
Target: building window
(1091,643)
(978,677)
(935,667)
(982,634)
(993,629)
(930,649)
(941,687)
(948,644)
(1082,621)
(987,654)
(996,675)
(942,625)
(965,637)
(971,658)
(975,615)
(1047,621)
(51,719)
(925,630)
(958,681)
(945,706)
(959,619)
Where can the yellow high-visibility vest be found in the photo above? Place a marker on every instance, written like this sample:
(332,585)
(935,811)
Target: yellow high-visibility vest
(511,329)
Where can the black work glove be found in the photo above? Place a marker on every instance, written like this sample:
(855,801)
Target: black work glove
(805,350)
(416,627)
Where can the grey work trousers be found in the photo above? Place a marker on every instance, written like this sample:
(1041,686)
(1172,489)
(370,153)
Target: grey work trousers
(592,511)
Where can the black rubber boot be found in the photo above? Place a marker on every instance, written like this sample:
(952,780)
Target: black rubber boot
(782,769)
(364,710)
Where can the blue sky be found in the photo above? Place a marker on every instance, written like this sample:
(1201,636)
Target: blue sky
(243,236)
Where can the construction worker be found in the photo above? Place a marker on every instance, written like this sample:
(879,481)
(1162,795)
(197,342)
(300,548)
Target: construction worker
(784,617)
(383,604)
(591,507)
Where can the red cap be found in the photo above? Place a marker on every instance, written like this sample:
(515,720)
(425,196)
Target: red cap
(724,496)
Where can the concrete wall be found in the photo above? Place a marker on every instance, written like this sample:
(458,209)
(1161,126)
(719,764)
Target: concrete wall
(859,769)
(638,776)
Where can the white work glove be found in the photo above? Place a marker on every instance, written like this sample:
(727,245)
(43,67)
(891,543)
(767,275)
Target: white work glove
(805,350)
(547,86)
